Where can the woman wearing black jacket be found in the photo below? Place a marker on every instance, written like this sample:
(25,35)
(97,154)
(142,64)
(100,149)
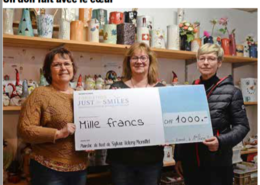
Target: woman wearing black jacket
(210,162)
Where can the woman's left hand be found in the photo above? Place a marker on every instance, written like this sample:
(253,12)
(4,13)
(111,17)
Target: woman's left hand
(212,144)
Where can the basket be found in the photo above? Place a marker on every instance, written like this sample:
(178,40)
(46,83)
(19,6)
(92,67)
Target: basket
(245,174)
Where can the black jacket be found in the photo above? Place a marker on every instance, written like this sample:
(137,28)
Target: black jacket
(229,123)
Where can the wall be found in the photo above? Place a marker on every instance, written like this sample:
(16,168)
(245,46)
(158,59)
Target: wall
(29,61)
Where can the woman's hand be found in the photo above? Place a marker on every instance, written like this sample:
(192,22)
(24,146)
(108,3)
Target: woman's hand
(69,129)
(212,144)
(178,168)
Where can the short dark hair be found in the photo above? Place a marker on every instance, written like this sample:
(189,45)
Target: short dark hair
(49,59)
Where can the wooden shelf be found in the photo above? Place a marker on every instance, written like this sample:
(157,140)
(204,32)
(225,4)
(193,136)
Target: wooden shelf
(117,49)
(250,103)
(249,151)
(12,108)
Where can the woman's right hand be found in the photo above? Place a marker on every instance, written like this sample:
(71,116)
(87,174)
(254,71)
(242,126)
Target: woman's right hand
(69,129)
(178,168)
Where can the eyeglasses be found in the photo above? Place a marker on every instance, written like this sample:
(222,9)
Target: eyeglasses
(142,58)
(59,65)
(209,59)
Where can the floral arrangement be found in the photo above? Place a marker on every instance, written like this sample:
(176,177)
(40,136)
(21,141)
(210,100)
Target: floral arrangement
(224,21)
(188,29)
(250,41)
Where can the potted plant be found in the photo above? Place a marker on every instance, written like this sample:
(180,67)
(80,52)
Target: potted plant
(187,32)
(252,47)
(228,44)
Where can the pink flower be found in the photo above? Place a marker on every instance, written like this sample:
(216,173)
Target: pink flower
(206,34)
(185,27)
(223,21)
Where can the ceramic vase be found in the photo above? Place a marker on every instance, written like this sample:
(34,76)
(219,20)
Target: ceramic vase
(232,44)
(8,19)
(126,33)
(101,16)
(145,21)
(25,25)
(45,25)
(85,15)
(225,45)
(208,40)
(157,38)
(67,15)
(239,50)
(110,34)
(143,35)
(64,30)
(185,45)
(195,45)
(131,17)
(253,51)
(116,18)
(173,39)
(76,30)
(197,35)
(93,31)
(246,49)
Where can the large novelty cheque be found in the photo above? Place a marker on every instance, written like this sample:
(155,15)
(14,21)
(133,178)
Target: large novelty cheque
(141,117)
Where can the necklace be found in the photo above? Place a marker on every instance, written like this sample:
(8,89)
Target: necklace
(136,86)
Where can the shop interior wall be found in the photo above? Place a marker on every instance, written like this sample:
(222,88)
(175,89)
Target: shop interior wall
(29,60)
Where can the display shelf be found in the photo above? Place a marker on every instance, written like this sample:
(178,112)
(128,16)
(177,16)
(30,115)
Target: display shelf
(249,151)
(12,108)
(250,103)
(117,49)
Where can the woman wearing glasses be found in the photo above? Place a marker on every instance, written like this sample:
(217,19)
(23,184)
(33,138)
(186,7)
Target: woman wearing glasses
(46,121)
(140,165)
(210,162)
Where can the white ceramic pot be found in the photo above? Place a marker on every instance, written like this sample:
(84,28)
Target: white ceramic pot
(173,38)
(93,32)
(45,25)
(157,38)
(8,17)
(64,31)
(145,21)
(143,35)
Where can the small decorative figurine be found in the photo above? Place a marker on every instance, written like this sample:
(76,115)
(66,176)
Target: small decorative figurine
(249,89)
(174,79)
(15,99)
(43,81)
(90,83)
(79,84)
(111,75)
(18,86)
(25,92)
(99,83)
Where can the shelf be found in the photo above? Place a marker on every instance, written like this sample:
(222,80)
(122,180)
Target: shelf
(249,151)
(117,49)
(12,108)
(250,103)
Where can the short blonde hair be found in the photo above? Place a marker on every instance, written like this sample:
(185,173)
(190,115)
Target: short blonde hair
(153,67)
(211,48)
